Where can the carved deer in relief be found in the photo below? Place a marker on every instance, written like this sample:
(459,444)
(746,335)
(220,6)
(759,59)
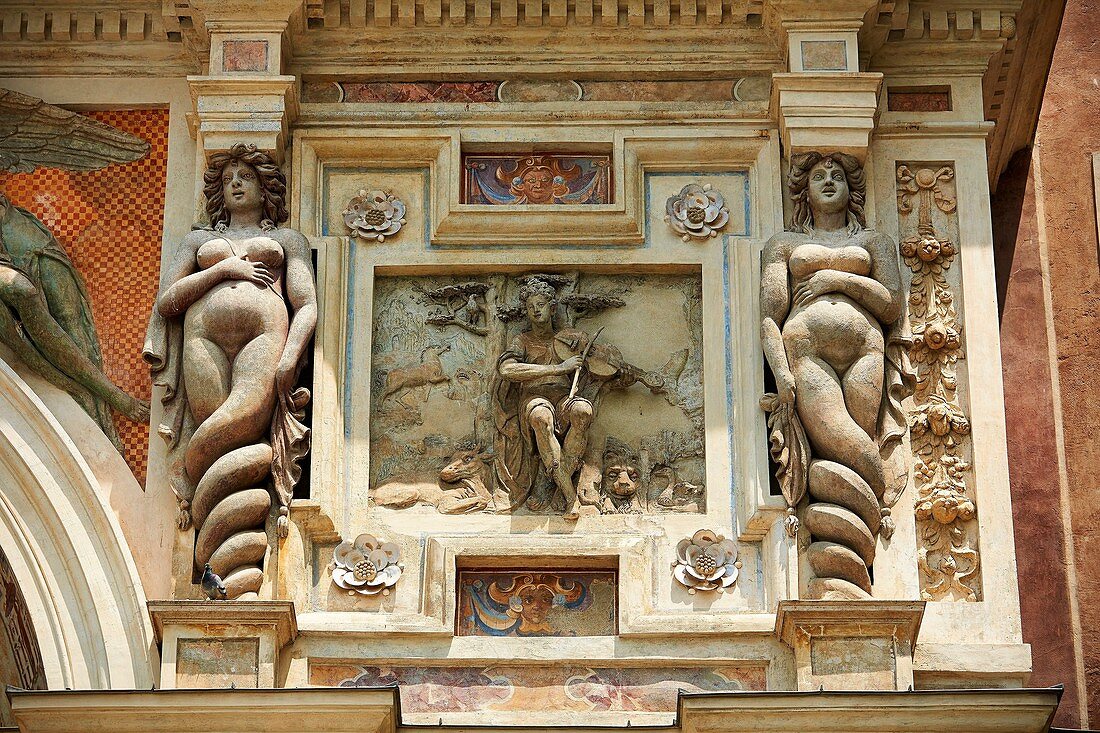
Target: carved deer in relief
(425,374)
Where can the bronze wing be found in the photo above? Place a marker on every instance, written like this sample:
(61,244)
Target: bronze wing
(36,134)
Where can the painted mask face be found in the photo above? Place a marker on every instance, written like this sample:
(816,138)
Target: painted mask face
(828,187)
(535,604)
(241,187)
(539,308)
(538,186)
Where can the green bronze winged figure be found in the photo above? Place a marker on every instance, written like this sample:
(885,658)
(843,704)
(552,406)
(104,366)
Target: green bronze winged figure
(45,313)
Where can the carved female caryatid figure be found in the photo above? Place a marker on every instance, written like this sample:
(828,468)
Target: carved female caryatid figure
(236,310)
(833,306)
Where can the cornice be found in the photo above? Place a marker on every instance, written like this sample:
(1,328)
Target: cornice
(377,710)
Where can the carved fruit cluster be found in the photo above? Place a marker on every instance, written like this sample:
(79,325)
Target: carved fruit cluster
(938,426)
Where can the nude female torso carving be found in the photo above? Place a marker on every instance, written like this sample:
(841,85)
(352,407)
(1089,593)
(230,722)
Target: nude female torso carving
(227,339)
(833,306)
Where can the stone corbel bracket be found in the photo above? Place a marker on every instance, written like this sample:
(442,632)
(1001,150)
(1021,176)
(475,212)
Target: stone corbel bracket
(256,108)
(221,639)
(826,111)
(851,645)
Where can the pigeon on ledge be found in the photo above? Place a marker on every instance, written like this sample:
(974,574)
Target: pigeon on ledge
(212,585)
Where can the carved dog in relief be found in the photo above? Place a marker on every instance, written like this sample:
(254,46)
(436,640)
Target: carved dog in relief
(458,488)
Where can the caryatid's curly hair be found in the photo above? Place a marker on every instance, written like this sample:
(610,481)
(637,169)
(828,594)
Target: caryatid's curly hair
(798,182)
(272,184)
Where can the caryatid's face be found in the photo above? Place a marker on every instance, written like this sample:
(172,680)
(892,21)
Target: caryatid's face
(828,187)
(540,308)
(241,187)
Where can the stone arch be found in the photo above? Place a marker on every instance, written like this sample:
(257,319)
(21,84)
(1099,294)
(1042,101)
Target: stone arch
(68,554)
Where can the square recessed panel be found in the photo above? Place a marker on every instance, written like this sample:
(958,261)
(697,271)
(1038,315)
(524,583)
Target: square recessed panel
(918,99)
(218,662)
(537,603)
(244,56)
(543,178)
(824,56)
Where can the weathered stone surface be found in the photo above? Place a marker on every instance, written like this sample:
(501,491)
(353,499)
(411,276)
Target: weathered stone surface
(224,344)
(833,305)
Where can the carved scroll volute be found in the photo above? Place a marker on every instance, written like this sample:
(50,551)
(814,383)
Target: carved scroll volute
(945,509)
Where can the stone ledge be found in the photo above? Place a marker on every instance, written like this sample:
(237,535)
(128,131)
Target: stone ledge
(273,614)
(849,618)
(377,710)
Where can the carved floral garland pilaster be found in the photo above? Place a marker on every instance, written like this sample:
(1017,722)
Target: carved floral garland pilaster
(947,532)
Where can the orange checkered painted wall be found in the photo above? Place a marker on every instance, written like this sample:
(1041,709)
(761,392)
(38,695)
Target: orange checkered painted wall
(110,222)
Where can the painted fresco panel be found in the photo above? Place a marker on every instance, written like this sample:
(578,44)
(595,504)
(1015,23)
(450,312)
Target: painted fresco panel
(523,603)
(20,657)
(545,178)
(110,223)
(558,688)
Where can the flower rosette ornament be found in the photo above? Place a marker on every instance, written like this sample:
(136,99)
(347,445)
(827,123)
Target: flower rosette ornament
(366,566)
(698,211)
(707,561)
(374,215)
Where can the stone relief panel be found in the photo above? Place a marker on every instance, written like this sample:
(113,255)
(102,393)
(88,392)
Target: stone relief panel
(547,178)
(480,402)
(947,528)
(525,603)
(537,688)
(90,240)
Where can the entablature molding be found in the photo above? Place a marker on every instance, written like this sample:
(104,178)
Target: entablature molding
(378,710)
(453,223)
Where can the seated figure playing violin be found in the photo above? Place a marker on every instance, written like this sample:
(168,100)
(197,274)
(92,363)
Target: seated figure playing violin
(541,374)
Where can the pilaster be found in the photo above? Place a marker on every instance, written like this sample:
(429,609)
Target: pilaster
(851,645)
(220,644)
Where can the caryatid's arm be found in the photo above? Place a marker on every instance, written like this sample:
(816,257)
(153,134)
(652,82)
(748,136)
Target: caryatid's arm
(302,294)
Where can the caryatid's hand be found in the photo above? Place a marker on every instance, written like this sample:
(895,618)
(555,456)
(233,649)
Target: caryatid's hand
(818,284)
(242,268)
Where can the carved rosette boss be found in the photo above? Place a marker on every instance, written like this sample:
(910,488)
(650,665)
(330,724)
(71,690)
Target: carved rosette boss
(366,566)
(833,331)
(374,215)
(697,212)
(946,525)
(226,340)
(706,561)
